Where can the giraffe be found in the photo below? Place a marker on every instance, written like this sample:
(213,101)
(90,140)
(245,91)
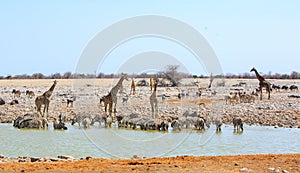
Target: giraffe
(44,99)
(262,83)
(132,89)
(114,92)
(153,101)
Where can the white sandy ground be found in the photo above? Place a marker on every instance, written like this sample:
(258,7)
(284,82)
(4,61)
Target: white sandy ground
(280,110)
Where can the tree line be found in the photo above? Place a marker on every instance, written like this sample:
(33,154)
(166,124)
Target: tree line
(171,73)
(69,75)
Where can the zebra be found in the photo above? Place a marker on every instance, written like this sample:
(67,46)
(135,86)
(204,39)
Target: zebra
(85,120)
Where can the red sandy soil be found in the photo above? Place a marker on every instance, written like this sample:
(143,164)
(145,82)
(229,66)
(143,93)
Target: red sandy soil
(241,163)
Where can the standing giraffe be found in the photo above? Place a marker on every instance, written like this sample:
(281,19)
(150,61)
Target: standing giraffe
(114,92)
(153,101)
(262,83)
(132,88)
(44,99)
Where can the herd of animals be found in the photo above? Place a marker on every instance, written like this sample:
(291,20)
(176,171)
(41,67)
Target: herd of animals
(134,120)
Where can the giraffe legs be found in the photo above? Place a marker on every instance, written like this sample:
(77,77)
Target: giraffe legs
(46,106)
(152,106)
(152,109)
(115,107)
(105,106)
(47,109)
(39,109)
(260,90)
(156,109)
(44,111)
(110,108)
(269,91)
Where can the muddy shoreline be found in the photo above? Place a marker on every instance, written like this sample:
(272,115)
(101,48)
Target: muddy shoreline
(239,163)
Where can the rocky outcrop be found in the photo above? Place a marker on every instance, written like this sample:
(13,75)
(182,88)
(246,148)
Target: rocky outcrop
(37,159)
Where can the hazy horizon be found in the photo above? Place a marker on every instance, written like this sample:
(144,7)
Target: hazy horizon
(149,73)
(50,36)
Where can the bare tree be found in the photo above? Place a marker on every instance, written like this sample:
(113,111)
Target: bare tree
(172,75)
(37,76)
(295,75)
(56,76)
(67,75)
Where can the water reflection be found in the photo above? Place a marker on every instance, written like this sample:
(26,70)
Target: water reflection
(124,143)
(237,132)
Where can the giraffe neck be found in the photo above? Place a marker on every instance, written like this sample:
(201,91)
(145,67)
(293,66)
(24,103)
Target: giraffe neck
(116,88)
(154,91)
(119,84)
(258,76)
(52,87)
(48,93)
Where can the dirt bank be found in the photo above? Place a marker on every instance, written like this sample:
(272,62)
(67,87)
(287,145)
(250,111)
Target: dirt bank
(242,163)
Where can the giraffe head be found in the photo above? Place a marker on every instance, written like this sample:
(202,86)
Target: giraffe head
(124,76)
(253,69)
(155,81)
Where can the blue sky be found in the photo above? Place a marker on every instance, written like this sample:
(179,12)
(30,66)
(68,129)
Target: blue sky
(49,36)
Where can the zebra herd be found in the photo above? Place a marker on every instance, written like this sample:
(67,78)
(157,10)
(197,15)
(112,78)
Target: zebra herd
(163,123)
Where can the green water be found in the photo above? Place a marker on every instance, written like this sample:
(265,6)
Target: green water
(123,143)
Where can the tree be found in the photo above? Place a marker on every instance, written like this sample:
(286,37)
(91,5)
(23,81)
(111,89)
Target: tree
(171,74)
(295,75)
(67,75)
(56,76)
(38,76)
